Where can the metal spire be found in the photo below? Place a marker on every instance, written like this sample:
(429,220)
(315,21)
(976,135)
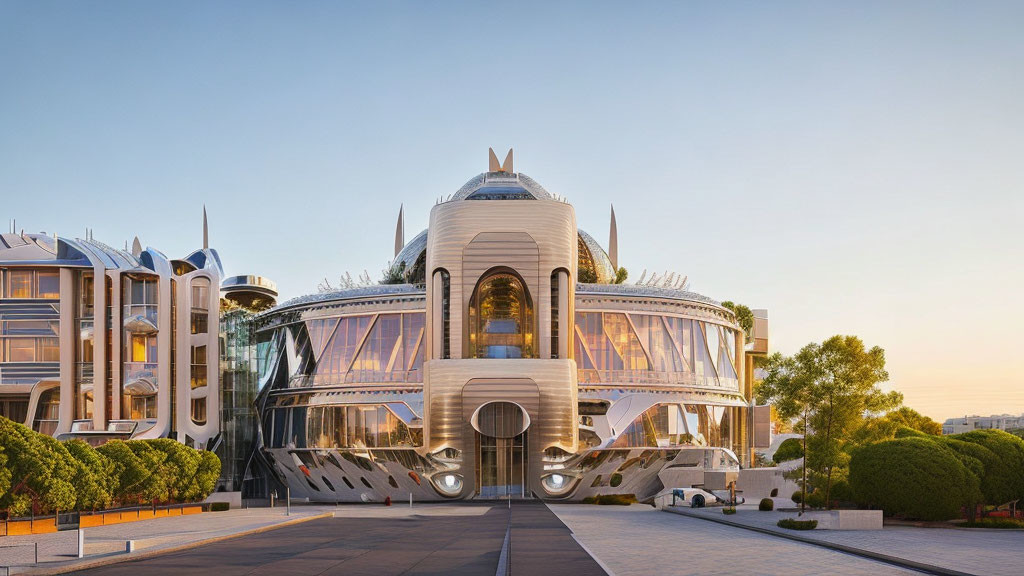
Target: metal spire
(400,230)
(613,243)
(206,231)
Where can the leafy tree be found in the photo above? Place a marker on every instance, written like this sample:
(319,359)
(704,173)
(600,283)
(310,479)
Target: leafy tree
(620,275)
(888,425)
(41,471)
(131,472)
(208,473)
(831,387)
(744,317)
(394,274)
(94,479)
(1018,432)
(180,468)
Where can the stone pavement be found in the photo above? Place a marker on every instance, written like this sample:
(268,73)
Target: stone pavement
(59,550)
(639,540)
(973,551)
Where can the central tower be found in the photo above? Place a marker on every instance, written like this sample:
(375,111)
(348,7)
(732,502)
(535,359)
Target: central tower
(499,379)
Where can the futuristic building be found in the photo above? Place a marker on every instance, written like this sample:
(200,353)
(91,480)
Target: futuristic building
(99,343)
(499,359)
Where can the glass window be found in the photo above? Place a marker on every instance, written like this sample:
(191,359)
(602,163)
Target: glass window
(87,294)
(49,349)
(595,342)
(21,349)
(49,284)
(655,338)
(19,284)
(625,342)
(337,356)
(381,349)
(199,410)
(201,293)
(554,315)
(501,319)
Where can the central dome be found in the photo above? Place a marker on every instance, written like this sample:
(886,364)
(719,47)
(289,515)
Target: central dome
(502,186)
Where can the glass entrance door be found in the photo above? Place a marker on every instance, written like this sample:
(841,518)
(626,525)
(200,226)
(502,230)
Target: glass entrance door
(503,467)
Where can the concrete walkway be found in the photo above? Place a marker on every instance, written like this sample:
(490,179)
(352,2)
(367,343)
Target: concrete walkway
(639,540)
(990,552)
(58,551)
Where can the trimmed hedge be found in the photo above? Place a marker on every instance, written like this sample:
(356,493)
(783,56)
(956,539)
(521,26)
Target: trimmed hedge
(611,499)
(728,511)
(1003,479)
(1007,523)
(790,449)
(912,477)
(73,475)
(794,524)
(220,506)
(766,505)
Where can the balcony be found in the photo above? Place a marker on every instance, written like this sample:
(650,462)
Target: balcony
(140,318)
(140,378)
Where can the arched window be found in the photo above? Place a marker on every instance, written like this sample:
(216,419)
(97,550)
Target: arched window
(501,318)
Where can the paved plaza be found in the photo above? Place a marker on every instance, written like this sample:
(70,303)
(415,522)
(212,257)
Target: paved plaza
(639,540)
(469,538)
(973,551)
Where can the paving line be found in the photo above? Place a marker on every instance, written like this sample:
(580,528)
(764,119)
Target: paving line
(894,560)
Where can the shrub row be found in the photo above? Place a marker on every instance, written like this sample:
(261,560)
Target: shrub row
(790,449)
(935,477)
(73,475)
(611,499)
(794,524)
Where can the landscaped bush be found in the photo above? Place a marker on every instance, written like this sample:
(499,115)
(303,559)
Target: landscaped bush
(615,480)
(73,475)
(1010,523)
(729,510)
(1006,481)
(797,496)
(794,524)
(766,505)
(816,499)
(220,507)
(790,449)
(611,499)
(912,477)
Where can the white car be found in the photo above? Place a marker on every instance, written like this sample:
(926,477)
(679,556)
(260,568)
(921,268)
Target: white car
(699,498)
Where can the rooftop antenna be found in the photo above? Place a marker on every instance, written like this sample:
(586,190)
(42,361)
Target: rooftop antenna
(206,231)
(400,230)
(613,242)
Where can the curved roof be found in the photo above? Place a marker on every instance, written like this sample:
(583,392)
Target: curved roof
(350,294)
(502,186)
(645,291)
(603,268)
(412,250)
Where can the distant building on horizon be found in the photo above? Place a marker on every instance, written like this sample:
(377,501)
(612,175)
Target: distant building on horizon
(994,422)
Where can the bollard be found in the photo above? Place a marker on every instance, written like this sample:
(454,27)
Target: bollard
(288,495)
(81,543)
(410,499)
(37,553)
(129,546)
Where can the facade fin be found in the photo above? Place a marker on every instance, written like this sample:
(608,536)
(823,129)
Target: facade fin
(400,230)
(492,161)
(613,243)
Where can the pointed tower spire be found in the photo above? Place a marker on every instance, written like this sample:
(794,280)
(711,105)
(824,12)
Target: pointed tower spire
(136,247)
(400,230)
(492,161)
(206,231)
(506,166)
(613,242)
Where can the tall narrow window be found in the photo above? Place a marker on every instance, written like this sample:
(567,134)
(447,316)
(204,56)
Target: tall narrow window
(49,284)
(446,308)
(554,315)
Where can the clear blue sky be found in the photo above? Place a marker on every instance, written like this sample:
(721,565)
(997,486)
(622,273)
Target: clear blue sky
(854,168)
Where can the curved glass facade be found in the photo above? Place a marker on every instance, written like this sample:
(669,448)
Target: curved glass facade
(616,347)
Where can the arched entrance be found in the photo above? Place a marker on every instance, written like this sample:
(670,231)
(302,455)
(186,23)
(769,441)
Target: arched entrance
(501,318)
(502,450)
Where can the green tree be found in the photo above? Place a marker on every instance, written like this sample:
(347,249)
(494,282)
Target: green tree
(888,425)
(94,478)
(744,317)
(620,275)
(180,468)
(831,387)
(1009,450)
